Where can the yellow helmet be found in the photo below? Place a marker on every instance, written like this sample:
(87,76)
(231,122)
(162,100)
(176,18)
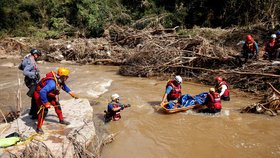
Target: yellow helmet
(212,90)
(62,71)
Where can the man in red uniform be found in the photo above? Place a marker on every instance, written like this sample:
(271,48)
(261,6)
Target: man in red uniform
(212,102)
(173,90)
(47,92)
(269,48)
(223,88)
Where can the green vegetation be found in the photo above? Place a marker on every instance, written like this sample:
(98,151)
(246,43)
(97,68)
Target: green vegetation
(89,18)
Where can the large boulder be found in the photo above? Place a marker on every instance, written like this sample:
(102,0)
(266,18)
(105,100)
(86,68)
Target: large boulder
(59,140)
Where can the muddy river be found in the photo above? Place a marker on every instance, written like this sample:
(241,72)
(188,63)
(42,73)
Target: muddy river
(144,131)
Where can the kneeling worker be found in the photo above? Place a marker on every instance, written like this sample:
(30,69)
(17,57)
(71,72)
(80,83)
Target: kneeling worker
(212,102)
(47,92)
(114,109)
(173,90)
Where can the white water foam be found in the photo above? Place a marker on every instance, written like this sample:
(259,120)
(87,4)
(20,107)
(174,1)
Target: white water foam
(7,85)
(97,88)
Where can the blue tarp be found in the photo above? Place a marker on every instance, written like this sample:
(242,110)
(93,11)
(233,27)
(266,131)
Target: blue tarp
(187,100)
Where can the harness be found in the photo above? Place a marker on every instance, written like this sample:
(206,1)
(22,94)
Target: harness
(49,76)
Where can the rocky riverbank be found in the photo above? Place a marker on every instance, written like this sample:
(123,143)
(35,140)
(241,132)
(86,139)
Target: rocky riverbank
(59,140)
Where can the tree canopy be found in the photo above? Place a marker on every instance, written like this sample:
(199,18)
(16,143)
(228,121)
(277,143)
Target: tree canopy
(88,18)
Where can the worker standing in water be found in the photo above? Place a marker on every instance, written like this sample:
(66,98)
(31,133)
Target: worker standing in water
(223,88)
(46,94)
(212,102)
(114,109)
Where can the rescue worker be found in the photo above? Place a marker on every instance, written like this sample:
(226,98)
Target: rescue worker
(277,45)
(212,102)
(173,90)
(250,49)
(32,76)
(269,48)
(114,109)
(223,88)
(46,94)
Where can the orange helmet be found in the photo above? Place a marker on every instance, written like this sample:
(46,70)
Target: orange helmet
(249,38)
(62,71)
(219,79)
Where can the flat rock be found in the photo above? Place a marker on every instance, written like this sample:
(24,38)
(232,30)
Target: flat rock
(59,140)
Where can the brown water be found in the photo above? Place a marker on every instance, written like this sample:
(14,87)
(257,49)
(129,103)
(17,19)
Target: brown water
(144,131)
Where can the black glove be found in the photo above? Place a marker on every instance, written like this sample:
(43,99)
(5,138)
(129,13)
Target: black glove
(127,105)
(37,74)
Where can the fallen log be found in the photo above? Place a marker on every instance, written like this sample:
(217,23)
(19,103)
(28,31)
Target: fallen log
(226,71)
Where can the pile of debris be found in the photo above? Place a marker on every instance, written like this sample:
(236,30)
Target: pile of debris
(269,105)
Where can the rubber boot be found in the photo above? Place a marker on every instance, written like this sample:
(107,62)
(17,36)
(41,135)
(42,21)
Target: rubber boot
(39,131)
(64,122)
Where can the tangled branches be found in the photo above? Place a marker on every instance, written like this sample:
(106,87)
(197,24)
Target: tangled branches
(269,105)
(35,149)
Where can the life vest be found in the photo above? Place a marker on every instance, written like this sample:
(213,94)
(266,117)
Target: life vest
(269,47)
(6,142)
(219,88)
(49,76)
(175,93)
(215,101)
(249,47)
(115,114)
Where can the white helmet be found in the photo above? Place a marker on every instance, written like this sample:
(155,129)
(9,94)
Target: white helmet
(273,36)
(179,79)
(115,96)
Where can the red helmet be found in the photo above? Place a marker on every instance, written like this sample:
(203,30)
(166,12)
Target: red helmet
(249,38)
(219,79)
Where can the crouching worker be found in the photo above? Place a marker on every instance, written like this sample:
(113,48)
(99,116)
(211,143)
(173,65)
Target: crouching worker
(46,94)
(114,109)
(172,90)
(212,102)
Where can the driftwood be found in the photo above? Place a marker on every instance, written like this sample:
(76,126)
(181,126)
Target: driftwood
(269,105)
(228,71)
